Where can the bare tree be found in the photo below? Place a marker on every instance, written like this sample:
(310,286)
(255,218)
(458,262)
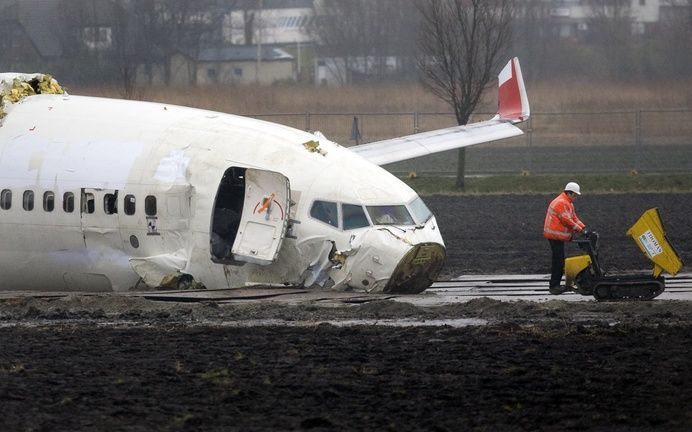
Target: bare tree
(532,39)
(336,27)
(186,26)
(110,40)
(249,26)
(163,28)
(462,46)
(674,38)
(366,40)
(98,42)
(611,34)
(124,56)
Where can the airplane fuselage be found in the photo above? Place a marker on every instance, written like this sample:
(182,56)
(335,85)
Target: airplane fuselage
(102,194)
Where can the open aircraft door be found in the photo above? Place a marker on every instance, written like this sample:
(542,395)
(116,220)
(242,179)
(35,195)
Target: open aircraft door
(264,217)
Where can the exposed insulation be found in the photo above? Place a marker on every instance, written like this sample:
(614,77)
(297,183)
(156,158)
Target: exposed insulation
(15,87)
(314,147)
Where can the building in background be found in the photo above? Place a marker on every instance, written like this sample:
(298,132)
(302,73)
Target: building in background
(278,22)
(244,64)
(335,42)
(576,18)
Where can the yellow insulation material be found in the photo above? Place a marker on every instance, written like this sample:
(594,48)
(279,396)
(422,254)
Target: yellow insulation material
(24,86)
(47,85)
(314,147)
(19,91)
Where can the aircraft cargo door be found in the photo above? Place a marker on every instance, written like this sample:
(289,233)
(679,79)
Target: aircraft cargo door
(265,198)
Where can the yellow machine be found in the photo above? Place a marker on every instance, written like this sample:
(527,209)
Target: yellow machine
(585,274)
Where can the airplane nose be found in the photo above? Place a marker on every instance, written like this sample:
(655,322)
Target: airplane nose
(417,270)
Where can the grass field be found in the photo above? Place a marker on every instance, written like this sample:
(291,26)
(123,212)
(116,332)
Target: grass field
(590,183)
(546,96)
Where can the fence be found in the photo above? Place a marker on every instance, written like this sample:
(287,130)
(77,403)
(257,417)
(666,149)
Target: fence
(599,142)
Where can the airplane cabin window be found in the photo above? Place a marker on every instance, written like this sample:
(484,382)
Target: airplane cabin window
(48,201)
(150,205)
(68,202)
(420,211)
(390,215)
(6,199)
(88,203)
(28,201)
(354,216)
(130,202)
(325,211)
(110,203)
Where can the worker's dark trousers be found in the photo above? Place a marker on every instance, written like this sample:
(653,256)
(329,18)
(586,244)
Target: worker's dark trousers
(557,267)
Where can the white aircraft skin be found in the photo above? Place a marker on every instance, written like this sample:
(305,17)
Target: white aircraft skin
(131,194)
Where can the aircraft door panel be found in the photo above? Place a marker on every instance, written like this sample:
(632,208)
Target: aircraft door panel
(99,218)
(264,217)
(99,224)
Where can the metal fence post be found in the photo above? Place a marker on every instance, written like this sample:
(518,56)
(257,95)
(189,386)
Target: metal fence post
(638,140)
(307,121)
(415,122)
(527,151)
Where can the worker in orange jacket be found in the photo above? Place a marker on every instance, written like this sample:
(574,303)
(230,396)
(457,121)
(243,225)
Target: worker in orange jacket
(561,223)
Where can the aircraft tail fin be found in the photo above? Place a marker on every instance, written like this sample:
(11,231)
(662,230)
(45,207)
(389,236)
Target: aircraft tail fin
(513,104)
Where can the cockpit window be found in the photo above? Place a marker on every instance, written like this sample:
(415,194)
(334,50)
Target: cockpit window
(390,215)
(326,212)
(420,211)
(354,216)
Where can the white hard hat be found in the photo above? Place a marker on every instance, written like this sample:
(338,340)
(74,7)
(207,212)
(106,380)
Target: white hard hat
(572,187)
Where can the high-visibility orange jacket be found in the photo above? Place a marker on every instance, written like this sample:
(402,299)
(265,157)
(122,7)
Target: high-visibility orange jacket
(561,220)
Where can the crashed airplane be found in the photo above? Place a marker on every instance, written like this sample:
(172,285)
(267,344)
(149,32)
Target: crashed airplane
(111,195)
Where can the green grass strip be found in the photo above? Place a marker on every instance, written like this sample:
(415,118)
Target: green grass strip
(590,183)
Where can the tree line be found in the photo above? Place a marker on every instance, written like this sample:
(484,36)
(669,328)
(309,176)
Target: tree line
(608,43)
(128,42)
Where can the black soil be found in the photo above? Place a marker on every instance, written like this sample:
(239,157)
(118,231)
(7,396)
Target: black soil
(93,363)
(488,234)
(503,377)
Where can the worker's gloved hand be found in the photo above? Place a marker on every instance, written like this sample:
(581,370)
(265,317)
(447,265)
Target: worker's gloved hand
(585,232)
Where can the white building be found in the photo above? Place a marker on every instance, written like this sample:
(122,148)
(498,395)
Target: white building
(277,22)
(573,17)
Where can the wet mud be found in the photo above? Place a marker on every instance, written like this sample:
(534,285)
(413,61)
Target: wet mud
(506,376)
(128,364)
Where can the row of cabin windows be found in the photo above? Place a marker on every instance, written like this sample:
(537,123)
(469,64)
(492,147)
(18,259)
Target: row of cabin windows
(110,202)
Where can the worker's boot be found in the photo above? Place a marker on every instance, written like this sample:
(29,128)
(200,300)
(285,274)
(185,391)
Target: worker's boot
(557,289)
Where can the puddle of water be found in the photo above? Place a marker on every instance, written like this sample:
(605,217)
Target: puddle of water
(456,323)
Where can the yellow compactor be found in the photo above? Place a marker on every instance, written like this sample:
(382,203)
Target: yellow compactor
(585,275)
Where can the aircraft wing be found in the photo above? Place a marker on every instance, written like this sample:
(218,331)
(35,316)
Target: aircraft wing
(513,107)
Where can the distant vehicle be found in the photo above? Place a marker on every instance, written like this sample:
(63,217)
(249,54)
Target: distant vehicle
(110,195)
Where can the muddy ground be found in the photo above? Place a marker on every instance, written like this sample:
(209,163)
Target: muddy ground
(105,363)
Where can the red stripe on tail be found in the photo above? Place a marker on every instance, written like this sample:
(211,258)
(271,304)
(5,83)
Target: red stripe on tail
(512,101)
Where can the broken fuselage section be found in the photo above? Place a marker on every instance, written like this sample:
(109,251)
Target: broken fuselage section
(116,195)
